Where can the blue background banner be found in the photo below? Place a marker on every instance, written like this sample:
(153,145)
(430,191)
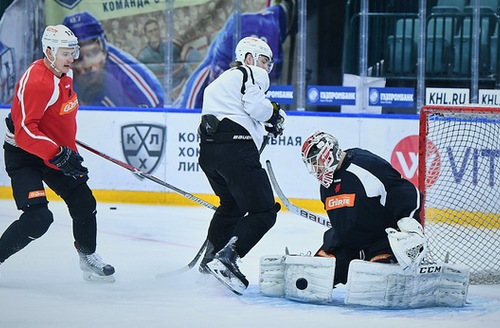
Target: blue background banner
(283,94)
(392,97)
(331,95)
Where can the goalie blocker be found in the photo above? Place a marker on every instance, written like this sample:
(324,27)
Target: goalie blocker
(310,279)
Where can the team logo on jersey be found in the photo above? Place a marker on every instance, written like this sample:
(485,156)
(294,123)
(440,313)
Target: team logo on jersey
(70,4)
(143,145)
(339,201)
(69,105)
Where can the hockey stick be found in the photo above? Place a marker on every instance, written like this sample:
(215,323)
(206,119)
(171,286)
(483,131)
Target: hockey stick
(148,176)
(264,143)
(143,174)
(187,267)
(291,207)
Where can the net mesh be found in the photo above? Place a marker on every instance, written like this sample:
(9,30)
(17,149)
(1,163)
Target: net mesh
(460,181)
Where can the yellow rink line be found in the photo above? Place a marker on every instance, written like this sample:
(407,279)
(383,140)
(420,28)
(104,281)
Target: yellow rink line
(161,198)
(464,218)
(481,220)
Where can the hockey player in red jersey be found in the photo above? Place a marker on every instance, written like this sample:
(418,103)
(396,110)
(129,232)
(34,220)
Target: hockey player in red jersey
(40,147)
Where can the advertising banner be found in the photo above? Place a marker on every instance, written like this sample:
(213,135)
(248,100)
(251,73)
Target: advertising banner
(166,145)
(283,94)
(331,95)
(392,97)
(447,96)
(160,53)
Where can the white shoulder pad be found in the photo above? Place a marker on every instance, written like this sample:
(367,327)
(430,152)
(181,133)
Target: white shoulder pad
(388,286)
(261,77)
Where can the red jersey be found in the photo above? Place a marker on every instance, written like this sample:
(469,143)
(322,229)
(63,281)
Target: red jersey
(44,112)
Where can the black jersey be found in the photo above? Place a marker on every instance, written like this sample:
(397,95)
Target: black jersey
(367,196)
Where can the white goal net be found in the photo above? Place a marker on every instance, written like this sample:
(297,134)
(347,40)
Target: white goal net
(459,175)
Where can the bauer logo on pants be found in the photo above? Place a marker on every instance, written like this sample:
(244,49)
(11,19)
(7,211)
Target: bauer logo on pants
(143,145)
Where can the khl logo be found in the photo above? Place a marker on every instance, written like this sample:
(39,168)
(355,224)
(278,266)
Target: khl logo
(69,4)
(143,145)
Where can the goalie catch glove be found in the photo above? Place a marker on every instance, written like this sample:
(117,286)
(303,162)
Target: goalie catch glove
(409,244)
(69,162)
(276,124)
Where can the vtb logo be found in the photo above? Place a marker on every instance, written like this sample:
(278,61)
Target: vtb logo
(404,158)
(143,145)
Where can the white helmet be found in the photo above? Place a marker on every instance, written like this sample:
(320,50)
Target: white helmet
(59,36)
(256,47)
(325,147)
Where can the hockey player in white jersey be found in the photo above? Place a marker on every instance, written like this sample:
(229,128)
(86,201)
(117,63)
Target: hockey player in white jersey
(235,117)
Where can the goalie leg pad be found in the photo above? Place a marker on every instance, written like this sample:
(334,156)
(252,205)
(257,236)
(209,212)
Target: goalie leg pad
(389,286)
(309,279)
(272,275)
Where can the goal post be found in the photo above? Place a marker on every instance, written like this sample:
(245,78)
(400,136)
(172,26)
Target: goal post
(459,176)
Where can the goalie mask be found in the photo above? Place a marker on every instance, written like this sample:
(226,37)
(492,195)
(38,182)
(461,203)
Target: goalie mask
(321,155)
(256,47)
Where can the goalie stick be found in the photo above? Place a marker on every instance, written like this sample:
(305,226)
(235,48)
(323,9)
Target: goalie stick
(291,207)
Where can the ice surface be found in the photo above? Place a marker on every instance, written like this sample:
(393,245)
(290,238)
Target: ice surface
(42,286)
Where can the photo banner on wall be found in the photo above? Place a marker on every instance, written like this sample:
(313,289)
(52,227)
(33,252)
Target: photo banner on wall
(124,47)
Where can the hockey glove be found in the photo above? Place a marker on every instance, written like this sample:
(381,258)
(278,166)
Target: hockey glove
(69,162)
(276,124)
(409,245)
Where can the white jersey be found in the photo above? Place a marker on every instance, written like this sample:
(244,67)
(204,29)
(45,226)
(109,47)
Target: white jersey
(243,102)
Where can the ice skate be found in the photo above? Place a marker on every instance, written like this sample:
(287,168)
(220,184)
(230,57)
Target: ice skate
(94,269)
(224,268)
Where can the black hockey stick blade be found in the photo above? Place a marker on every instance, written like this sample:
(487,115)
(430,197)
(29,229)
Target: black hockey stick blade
(291,207)
(148,176)
(187,267)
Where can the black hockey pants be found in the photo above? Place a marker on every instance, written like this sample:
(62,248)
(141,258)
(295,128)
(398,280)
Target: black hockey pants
(247,208)
(27,173)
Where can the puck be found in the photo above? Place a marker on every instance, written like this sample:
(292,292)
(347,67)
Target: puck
(112,208)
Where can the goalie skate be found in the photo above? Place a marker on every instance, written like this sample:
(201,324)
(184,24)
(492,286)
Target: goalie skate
(224,268)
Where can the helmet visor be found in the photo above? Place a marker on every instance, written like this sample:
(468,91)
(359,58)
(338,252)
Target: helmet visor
(314,165)
(68,52)
(266,61)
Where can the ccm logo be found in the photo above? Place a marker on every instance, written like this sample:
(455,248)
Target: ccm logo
(430,269)
(69,106)
(334,202)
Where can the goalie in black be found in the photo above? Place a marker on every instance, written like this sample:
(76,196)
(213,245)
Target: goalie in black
(363,196)
(376,245)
